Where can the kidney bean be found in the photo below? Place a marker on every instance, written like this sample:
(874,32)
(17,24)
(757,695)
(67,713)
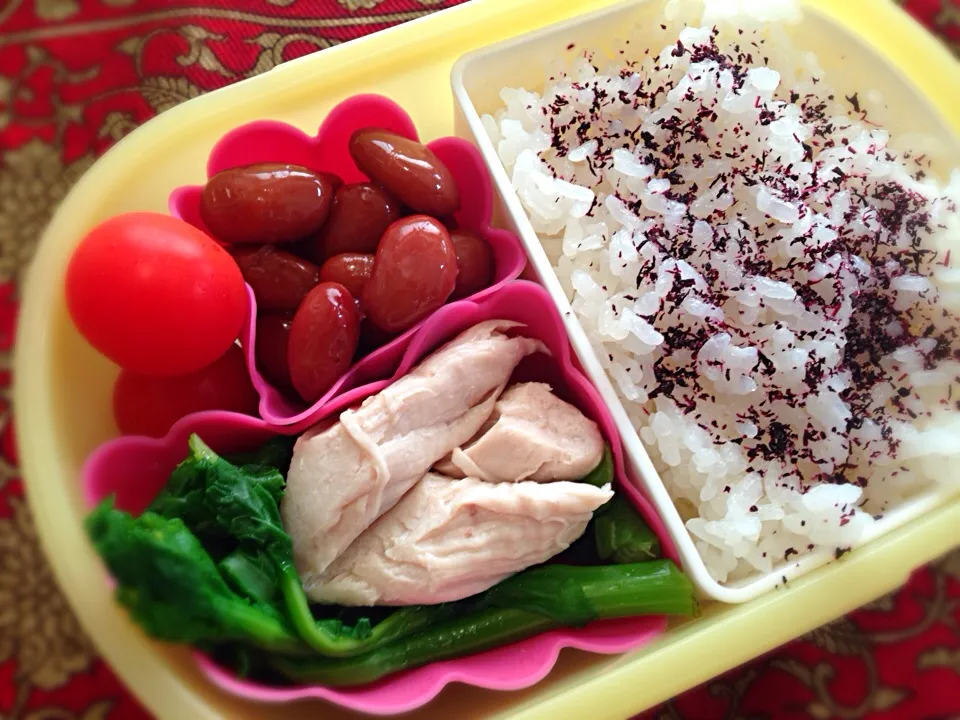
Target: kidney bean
(266,203)
(372,337)
(335,181)
(474,264)
(414,272)
(304,249)
(352,270)
(450,223)
(358,218)
(279,279)
(323,339)
(273,335)
(407,169)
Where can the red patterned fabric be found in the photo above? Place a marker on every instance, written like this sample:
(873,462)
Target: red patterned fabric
(77,75)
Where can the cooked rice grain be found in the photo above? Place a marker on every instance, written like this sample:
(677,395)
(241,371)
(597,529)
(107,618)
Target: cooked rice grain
(767,283)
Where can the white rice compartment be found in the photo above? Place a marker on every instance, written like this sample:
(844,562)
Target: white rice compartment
(766,281)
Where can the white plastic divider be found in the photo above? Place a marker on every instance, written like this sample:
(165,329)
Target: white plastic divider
(521,62)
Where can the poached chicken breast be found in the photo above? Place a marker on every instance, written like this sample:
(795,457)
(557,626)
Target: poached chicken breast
(448,539)
(342,478)
(532,435)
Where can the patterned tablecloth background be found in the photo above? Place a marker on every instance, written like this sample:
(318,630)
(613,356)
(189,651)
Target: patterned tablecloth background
(77,75)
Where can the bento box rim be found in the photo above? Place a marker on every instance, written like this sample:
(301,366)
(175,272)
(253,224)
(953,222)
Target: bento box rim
(163,682)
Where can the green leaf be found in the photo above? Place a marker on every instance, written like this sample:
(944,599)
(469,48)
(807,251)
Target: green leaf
(269,478)
(275,453)
(602,474)
(244,504)
(621,535)
(182,496)
(185,494)
(171,586)
(252,576)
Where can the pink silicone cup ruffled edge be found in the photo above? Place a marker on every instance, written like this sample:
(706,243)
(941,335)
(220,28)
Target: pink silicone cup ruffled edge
(273,141)
(110,467)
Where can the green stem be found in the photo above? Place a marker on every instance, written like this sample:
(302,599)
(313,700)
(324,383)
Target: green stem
(330,643)
(407,621)
(266,631)
(652,588)
(479,631)
(649,588)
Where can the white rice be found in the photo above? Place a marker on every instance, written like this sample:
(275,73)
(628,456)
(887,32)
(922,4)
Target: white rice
(766,282)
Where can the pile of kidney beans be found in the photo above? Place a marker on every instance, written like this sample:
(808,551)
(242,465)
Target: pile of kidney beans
(336,268)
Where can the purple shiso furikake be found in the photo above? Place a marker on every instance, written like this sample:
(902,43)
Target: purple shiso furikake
(764,279)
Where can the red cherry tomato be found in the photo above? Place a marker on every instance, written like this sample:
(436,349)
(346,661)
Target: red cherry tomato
(414,272)
(147,405)
(155,295)
(323,339)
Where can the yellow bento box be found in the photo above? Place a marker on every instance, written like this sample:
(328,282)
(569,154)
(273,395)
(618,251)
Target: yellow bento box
(62,393)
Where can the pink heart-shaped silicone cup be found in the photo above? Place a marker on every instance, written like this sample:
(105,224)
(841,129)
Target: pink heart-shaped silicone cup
(135,468)
(272,141)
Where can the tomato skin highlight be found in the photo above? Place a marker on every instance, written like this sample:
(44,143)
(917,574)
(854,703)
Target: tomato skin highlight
(149,405)
(323,339)
(155,295)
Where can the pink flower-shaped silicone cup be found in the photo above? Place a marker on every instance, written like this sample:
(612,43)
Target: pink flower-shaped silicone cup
(136,468)
(272,141)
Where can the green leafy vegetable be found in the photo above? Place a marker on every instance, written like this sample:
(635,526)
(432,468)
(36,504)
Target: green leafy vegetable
(275,453)
(615,591)
(171,586)
(185,494)
(251,575)
(244,503)
(219,499)
(211,564)
(175,592)
(621,534)
(602,474)
(548,590)
(182,497)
